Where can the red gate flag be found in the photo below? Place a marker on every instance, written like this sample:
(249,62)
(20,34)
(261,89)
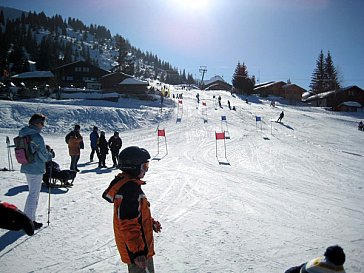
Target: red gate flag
(161,132)
(180,101)
(220,135)
(204,103)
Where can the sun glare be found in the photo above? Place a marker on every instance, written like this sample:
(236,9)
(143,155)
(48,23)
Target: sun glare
(191,5)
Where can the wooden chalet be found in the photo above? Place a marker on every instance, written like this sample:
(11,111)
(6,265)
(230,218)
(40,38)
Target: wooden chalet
(289,91)
(33,84)
(78,74)
(111,81)
(216,83)
(349,98)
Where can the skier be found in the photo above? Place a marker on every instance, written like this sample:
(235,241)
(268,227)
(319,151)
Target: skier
(115,144)
(94,137)
(104,150)
(198,98)
(34,171)
(332,261)
(133,223)
(219,100)
(280,117)
(229,105)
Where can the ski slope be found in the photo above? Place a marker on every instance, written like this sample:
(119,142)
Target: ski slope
(283,193)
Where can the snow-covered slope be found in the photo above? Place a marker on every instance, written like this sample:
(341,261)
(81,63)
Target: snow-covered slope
(283,194)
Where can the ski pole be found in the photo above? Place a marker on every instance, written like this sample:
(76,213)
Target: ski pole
(49,190)
(10,159)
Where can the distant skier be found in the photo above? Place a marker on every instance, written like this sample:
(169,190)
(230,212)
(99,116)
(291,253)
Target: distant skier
(198,98)
(219,100)
(280,117)
(229,105)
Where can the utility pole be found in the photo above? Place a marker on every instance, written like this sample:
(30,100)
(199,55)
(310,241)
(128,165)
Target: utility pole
(203,70)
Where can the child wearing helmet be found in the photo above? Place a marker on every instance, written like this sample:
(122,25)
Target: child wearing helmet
(133,223)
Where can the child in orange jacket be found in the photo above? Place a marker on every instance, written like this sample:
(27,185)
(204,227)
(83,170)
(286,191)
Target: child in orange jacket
(133,223)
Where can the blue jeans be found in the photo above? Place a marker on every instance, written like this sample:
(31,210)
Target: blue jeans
(74,160)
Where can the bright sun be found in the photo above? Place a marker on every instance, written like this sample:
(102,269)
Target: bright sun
(191,5)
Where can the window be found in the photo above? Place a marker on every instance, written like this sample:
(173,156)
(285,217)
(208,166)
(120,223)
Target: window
(85,69)
(78,69)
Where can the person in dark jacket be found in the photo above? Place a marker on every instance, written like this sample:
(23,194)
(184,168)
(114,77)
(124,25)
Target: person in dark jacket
(133,222)
(94,138)
(104,150)
(280,117)
(53,170)
(115,144)
(332,262)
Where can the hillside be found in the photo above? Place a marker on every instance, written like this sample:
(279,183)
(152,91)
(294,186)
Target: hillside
(281,196)
(43,43)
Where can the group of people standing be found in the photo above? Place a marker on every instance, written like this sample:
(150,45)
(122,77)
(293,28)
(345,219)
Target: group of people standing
(135,248)
(99,146)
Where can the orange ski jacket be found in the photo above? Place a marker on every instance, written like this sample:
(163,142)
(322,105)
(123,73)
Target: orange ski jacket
(133,223)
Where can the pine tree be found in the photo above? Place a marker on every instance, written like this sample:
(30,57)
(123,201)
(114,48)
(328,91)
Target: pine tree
(318,76)
(241,81)
(325,77)
(332,82)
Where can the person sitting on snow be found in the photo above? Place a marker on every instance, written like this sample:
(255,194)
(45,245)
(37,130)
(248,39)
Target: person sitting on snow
(53,169)
(361,126)
(332,262)
(13,218)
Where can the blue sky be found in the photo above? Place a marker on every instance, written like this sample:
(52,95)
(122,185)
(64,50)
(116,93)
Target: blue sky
(277,39)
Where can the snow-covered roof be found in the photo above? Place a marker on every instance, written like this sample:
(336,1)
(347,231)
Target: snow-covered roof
(213,79)
(262,86)
(34,74)
(133,81)
(351,104)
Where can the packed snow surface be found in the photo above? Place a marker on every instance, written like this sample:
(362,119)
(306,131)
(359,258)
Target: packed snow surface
(283,193)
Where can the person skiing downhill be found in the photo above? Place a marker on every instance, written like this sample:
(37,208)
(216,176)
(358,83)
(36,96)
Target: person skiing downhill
(280,117)
(133,223)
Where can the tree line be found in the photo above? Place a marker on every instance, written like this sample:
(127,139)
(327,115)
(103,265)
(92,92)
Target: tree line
(324,77)
(45,41)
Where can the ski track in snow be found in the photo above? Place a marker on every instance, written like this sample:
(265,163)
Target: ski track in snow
(283,194)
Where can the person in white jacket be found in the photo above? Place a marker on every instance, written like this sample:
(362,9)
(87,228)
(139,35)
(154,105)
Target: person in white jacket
(34,170)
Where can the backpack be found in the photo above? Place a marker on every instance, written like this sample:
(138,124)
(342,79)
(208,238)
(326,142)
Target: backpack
(23,152)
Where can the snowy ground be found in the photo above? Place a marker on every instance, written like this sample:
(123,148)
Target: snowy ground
(283,194)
